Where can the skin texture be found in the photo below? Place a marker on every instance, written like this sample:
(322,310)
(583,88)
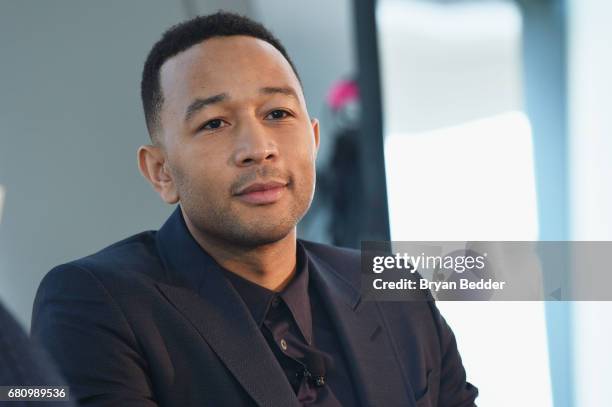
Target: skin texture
(259,130)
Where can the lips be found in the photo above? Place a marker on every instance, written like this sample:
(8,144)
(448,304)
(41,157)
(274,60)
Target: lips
(262,193)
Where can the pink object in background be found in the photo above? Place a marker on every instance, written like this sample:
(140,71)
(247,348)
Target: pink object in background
(341,93)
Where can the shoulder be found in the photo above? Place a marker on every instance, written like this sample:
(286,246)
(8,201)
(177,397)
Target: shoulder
(132,252)
(347,263)
(342,261)
(338,258)
(127,261)
(332,254)
(106,288)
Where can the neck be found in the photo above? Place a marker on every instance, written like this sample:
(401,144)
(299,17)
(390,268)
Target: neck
(271,265)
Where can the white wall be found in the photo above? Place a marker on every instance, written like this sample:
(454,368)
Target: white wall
(590,96)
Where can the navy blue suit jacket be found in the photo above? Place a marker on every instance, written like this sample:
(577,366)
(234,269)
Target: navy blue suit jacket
(151,321)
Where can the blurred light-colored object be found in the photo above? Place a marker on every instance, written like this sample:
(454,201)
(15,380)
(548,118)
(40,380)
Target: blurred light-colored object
(445,64)
(459,165)
(473,181)
(590,99)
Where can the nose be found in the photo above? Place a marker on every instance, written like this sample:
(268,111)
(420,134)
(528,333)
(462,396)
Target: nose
(254,145)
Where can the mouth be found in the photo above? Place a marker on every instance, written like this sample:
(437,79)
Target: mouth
(262,193)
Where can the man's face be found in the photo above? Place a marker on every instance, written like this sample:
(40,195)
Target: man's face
(238,141)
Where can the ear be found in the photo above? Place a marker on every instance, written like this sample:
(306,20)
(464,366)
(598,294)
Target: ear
(315,129)
(153,166)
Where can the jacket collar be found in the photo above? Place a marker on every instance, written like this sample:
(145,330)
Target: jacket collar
(186,262)
(196,286)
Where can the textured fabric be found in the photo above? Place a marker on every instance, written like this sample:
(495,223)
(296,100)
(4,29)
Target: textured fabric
(286,321)
(21,362)
(145,322)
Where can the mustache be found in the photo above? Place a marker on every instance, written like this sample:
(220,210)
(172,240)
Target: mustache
(263,174)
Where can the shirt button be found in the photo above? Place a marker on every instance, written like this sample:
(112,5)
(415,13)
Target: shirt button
(283,344)
(275,302)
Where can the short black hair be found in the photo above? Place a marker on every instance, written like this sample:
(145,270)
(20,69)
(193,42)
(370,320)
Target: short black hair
(184,35)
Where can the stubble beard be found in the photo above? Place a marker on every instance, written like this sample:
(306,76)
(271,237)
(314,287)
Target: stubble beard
(230,223)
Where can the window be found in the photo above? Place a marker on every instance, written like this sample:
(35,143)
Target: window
(459,165)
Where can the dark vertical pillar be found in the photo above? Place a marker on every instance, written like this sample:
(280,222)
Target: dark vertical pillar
(375,214)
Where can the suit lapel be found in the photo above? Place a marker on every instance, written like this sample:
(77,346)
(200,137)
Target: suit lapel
(226,325)
(377,375)
(197,288)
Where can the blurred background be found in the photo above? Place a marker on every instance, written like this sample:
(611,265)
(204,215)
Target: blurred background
(441,120)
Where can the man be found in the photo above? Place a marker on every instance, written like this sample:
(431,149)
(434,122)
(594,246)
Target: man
(223,306)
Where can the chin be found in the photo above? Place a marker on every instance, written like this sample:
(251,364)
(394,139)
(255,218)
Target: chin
(266,235)
(248,229)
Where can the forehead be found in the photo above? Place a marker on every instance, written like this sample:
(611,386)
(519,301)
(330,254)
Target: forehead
(234,64)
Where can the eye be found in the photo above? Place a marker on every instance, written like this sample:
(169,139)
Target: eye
(277,114)
(212,124)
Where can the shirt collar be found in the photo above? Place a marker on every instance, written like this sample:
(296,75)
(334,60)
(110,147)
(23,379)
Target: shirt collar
(185,263)
(259,299)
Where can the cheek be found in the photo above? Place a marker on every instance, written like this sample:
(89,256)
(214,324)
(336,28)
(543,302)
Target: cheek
(200,175)
(301,148)
(301,158)
(305,173)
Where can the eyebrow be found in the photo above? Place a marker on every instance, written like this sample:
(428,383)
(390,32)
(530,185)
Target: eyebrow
(199,103)
(288,91)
